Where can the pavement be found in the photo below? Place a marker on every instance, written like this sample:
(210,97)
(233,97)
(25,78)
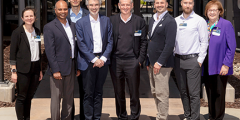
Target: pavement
(41,103)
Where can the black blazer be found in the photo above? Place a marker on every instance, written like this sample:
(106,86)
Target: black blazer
(58,48)
(140,42)
(161,43)
(20,54)
(84,13)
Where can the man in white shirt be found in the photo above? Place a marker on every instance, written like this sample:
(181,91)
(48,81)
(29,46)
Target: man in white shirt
(60,50)
(94,39)
(190,51)
(75,13)
(160,62)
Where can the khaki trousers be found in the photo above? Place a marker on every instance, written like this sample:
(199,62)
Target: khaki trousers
(160,90)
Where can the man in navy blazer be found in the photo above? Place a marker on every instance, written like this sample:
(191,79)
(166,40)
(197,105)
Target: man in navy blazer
(59,44)
(94,39)
(161,41)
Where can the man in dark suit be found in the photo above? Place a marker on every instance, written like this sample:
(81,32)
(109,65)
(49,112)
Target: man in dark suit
(129,50)
(161,41)
(74,14)
(60,50)
(94,38)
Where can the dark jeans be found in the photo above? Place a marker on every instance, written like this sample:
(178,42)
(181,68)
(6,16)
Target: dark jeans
(93,80)
(27,84)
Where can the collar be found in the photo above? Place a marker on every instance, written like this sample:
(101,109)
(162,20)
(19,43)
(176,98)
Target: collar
(219,23)
(67,24)
(72,13)
(160,16)
(92,19)
(190,16)
(127,19)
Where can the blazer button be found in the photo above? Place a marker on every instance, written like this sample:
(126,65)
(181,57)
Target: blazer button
(150,40)
(70,57)
(70,48)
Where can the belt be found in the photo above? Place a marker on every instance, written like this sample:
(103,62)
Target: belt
(97,55)
(184,57)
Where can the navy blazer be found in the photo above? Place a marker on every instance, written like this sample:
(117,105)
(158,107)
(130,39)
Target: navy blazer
(85,40)
(162,41)
(58,47)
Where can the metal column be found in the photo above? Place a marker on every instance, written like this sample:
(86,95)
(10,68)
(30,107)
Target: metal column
(137,7)
(21,6)
(175,8)
(108,6)
(37,7)
(1,43)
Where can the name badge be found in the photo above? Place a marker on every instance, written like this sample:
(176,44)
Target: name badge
(76,38)
(138,33)
(216,32)
(37,38)
(183,25)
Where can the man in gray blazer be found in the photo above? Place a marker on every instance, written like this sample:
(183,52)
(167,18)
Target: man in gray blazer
(161,41)
(60,50)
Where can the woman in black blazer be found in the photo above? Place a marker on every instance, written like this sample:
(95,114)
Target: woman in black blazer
(25,61)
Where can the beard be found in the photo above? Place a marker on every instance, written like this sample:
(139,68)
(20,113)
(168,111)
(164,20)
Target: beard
(187,11)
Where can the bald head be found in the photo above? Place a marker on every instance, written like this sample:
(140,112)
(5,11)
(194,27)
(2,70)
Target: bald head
(60,3)
(61,10)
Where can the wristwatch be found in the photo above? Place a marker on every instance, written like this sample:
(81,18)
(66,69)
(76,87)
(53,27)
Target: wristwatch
(14,70)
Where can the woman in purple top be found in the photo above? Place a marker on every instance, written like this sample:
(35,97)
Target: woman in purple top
(218,63)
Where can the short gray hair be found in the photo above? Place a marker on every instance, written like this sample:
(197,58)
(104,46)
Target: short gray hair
(86,2)
(131,1)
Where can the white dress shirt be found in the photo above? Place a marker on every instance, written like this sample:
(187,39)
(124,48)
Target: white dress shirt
(193,38)
(127,19)
(157,20)
(34,45)
(97,37)
(68,31)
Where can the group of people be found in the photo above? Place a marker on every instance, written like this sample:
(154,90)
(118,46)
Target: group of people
(86,44)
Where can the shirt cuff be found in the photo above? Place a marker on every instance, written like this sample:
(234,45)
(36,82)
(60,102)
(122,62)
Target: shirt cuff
(103,58)
(94,60)
(200,60)
(159,64)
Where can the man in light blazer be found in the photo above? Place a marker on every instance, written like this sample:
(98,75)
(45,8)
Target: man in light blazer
(94,39)
(75,13)
(129,52)
(61,54)
(161,41)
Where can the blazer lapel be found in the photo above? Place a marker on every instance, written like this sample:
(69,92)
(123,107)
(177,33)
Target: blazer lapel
(89,28)
(159,23)
(101,25)
(60,27)
(150,28)
(24,35)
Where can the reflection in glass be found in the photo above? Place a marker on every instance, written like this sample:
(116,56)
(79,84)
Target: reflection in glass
(239,4)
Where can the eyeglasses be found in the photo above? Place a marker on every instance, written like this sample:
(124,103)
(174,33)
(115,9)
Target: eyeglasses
(213,10)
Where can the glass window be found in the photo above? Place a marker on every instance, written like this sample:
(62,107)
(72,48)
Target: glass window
(29,3)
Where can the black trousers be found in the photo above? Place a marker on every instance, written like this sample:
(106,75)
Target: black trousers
(27,84)
(120,71)
(216,90)
(188,75)
(93,80)
(81,94)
